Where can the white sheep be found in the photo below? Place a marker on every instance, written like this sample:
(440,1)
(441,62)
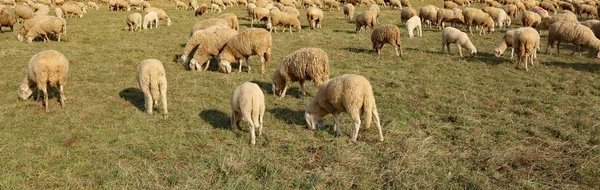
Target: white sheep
(386,34)
(575,33)
(58,12)
(395,4)
(48,67)
(301,65)
(215,8)
(428,14)
(255,41)
(248,104)
(162,15)
(455,36)
(149,19)
(134,22)
(208,43)
(285,19)
(314,16)
(152,79)
(412,24)
(365,19)
(333,5)
(348,93)
(505,42)
(45,27)
(349,11)
(72,9)
(249,8)
(526,41)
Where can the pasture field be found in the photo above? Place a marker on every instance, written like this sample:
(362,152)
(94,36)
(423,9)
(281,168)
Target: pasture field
(448,122)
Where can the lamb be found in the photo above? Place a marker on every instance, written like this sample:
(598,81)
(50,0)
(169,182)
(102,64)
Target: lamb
(449,16)
(207,44)
(72,9)
(575,33)
(248,104)
(6,20)
(365,19)
(505,42)
(527,41)
(428,14)
(407,13)
(152,79)
(48,67)
(149,19)
(204,24)
(348,11)
(411,24)
(255,41)
(50,25)
(162,15)
(285,19)
(259,14)
(92,5)
(231,19)
(200,10)
(453,35)
(347,93)
(386,34)
(530,19)
(478,17)
(134,22)
(22,12)
(314,16)
(301,65)
(560,17)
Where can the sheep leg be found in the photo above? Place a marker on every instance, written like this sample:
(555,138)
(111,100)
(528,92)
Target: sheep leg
(302,88)
(260,123)
(248,65)
(252,133)
(207,63)
(512,51)
(336,119)
(525,61)
(459,50)
(376,120)
(163,97)
(235,120)
(45,102)
(148,99)
(356,118)
(62,95)
(264,63)
(558,47)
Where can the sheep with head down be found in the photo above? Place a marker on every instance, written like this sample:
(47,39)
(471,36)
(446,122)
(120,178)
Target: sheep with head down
(48,67)
(505,42)
(248,104)
(386,34)
(574,33)
(526,41)
(455,36)
(254,41)
(301,65)
(204,45)
(45,27)
(152,79)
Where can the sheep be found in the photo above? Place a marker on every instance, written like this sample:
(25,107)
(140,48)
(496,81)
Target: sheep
(499,15)
(181,5)
(511,10)
(365,19)
(453,35)
(92,5)
(22,12)
(58,12)
(450,5)
(527,41)
(48,67)
(122,5)
(200,25)
(348,11)
(428,14)
(567,6)
(386,34)
(347,93)
(249,8)
(560,17)
(539,10)
(42,11)
(134,22)
(162,15)
(405,3)
(255,41)
(27,25)
(314,16)
(149,19)
(411,24)
(215,8)
(219,3)
(72,9)
(291,10)
(462,2)
(530,19)
(50,25)
(145,5)
(259,14)
(231,19)
(307,3)
(200,10)
(152,79)
(333,5)
(289,3)
(449,16)
(589,23)
(136,3)
(285,19)
(248,104)
(407,13)
(242,2)
(492,3)
(6,20)
(478,17)
(590,10)
(575,33)
(194,4)
(207,44)
(301,65)
(505,42)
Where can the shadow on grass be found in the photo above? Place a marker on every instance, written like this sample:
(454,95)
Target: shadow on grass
(216,118)
(134,96)
(264,86)
(291,117)
(589,67)
(484,57)
(345,31)
(420,50)
(359,50)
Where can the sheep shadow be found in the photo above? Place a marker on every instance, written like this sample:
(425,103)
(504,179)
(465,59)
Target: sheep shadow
(359,50)
(486,58)
(216,118)
(427,51)
(134,96)
(264,86)
(588,67)
(293,91)
(345,31)
(290,117)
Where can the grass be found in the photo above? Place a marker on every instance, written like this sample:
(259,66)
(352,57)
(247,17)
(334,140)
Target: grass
(449,122)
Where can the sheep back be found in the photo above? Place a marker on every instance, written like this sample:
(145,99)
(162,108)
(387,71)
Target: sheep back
(386,34)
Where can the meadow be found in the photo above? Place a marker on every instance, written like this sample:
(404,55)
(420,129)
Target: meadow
(448,122)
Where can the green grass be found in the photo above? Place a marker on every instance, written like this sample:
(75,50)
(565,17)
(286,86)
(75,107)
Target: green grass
(449,122)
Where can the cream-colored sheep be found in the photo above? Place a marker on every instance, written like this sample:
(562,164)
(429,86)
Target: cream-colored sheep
(231,19)
(386,34)
(348,93)
(93,5)
(200,25)
(530,19)
(395,4)
(540,11)
(333,5)
(499,15)
(574,33)
(455,36)
(550,7)
(407,13)
(248,104)
(27,25)
(22,12)
(412,24)
(134,22)
(428,14)
(505,42)
(301,65)
(560,17)
(48,67)
(307,3)
(479,18)
(249,8)
(365,19)
(259,14)
(349,11)
(207,43)
(6,20)
(162,15)
(445,15)
(42,11)
(279,18)
(589,10)
(152,79)
(526,41)
(149,19)
(214,8)
(58,12)
(218,2)
(291,10)
(145,5)
(72,9)
(194,4)
(511,10)
(255,41)
(314,16)
(450,5)
(45,27)
(462,2)
(123,5)
(179,5)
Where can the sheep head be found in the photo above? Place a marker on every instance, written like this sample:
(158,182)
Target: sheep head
(312,121)
(24,91)
(497,52)
(225,66)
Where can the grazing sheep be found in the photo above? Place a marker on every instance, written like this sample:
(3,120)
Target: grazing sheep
(505,42)
(48,67)
(259,14)
(123,5)
(231,19)
(214,8)
(279,18)
(511,10)
(412,24)
(575,33)
(301,65)
(462,2)
(136,3)
(480,18)
(145,5)
(200,10)
(526,41)
(589,10)
(405,3)
(307,3)
(530,19)
(386,34)
(450,5)
(72,9)
(449,16)
(365,19)
(291,10)
(149,19)
(560,17)
(207,43)
(395,4)
(347,93)
(92,5)
(249,8)
(181,5)
(194,4)
(248,104)
(567,6)
(407,13)
(162,15)
(152,79)
(219,3)
(134,22)
(455,36)
(27,25)
(314,16)
(45,27)
(348,11)
(200,25)
(242,2)
(428,14)
(499,15)
(42,11)
(539,10)
(333,5)
(6,20)
(22,12)
(255,41)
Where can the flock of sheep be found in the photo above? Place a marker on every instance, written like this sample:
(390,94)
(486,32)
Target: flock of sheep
(219,38)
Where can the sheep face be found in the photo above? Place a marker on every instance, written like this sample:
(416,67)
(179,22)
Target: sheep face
(497,52)
(25,92)
(278,92)
(29,39)
(313,121)
(225,66)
